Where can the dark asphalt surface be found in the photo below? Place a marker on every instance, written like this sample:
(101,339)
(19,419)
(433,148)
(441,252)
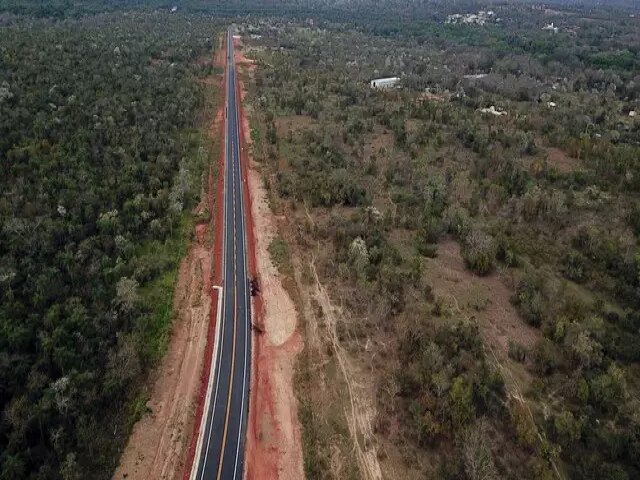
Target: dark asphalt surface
(222,455)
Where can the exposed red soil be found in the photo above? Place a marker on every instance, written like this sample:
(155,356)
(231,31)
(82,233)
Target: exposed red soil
(157,445)
(273,449)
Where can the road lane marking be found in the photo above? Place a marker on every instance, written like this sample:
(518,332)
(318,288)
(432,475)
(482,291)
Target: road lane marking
(224,273)
(246,310)
(235,317)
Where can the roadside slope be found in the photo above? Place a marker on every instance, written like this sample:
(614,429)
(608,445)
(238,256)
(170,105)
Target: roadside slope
(273,437)
(157,444)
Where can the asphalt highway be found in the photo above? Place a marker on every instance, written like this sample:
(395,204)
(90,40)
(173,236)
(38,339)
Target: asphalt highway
(220,450)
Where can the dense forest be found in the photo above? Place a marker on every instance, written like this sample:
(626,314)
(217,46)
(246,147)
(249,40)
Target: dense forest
(102,157)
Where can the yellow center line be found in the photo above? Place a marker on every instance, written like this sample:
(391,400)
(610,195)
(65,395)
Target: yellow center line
(235,312)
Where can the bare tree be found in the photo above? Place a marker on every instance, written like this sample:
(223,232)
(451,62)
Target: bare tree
(478,460)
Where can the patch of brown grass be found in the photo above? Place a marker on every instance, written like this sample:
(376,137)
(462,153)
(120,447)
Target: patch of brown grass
(558,159)
(293,124)
(486,300)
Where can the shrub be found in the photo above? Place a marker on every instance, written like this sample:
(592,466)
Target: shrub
(526,431)
(359,256)
(546,357)
(279,252)
(429,250)
(431,228)
(531,301)
(457,221)
(285,184)
(461,396)
(574,266)
(479,252)
(517,352)
(568,429)
(478,460)
(608,390)
(634,219)
(506,254)
(439,307)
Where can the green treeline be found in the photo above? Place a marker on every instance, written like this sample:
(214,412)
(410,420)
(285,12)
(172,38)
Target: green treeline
(101,160)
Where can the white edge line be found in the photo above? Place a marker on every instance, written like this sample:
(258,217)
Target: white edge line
(196,462)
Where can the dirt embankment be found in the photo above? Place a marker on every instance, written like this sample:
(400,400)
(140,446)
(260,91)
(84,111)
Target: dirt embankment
(273,437)
(157,444)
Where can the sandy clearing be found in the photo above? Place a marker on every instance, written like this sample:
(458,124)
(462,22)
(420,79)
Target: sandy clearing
(560,160)
(487,298)
(279,310)
(156,447)
(240,57)
(487,301)
(292,124)
(274,437)
(274,432)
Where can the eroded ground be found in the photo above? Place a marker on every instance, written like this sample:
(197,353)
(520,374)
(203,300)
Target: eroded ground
(157,446)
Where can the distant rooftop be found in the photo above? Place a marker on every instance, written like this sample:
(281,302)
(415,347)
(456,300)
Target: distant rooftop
(388,82)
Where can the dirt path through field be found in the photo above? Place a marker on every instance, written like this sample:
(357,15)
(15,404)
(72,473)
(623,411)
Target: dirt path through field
(360,413)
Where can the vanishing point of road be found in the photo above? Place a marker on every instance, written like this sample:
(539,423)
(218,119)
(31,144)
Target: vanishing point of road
(221,440)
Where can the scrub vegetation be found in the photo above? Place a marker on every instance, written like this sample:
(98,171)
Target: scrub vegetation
(542,200)
(476,228)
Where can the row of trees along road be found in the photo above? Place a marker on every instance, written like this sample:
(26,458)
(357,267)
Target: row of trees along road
(101,158)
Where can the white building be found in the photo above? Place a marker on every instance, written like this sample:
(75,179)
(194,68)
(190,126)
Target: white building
(475,76)
(385,82)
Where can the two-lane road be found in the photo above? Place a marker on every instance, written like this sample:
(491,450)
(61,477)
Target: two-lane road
(220,448)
